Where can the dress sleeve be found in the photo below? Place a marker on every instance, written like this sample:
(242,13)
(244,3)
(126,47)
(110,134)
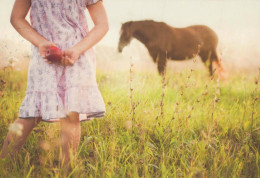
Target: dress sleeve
(89,2)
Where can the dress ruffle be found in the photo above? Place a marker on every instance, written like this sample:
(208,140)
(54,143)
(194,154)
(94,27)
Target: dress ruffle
(46,105)
(53,106)
(87,101)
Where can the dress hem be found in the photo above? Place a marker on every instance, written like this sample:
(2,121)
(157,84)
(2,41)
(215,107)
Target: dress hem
(90,116)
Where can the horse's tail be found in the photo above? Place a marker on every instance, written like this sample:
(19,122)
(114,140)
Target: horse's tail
(218,67)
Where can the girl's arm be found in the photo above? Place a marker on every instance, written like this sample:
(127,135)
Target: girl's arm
(99,18)
(21,25)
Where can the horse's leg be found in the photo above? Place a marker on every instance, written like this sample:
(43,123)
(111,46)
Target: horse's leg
(161,63)
(210,68)
(154,54)
(206,56)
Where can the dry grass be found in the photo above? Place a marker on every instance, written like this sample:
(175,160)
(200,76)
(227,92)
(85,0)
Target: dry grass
(206,128)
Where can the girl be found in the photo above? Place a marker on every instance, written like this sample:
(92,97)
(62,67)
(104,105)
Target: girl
(68,92)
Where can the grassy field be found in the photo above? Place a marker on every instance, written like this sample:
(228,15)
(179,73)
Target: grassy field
(182,125)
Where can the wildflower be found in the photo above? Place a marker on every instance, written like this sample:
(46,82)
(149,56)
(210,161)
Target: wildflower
(128,124)
(16,128)
(45,145)
(12,61)
(256,81)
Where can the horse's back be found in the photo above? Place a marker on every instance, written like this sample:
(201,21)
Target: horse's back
(207,35)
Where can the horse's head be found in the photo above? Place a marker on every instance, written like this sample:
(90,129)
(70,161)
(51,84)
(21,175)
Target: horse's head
(125,35)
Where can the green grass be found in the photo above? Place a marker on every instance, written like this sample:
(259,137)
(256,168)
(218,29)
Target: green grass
(192,127)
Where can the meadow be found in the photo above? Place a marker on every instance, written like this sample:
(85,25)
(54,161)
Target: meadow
(184,124)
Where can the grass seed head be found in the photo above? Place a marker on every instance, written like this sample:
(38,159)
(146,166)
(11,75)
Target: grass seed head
(16,128)
(256,81)
(45,145)
(128,124)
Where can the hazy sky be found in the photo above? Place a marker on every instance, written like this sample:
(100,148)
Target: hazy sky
(236,22)
(238,18)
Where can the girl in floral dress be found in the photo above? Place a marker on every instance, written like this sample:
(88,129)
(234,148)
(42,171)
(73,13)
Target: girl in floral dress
(65,92)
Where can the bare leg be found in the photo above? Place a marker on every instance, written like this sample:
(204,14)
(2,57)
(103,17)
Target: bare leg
(69,137)
(14,142)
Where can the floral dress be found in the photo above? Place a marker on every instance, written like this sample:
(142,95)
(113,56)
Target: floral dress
(54,90)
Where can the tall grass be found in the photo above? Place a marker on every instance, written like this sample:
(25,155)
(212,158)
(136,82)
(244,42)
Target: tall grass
(207,128)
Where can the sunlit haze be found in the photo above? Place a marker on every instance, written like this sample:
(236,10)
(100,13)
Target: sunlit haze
(237,23)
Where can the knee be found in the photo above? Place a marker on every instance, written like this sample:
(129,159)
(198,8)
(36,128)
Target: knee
(73,117)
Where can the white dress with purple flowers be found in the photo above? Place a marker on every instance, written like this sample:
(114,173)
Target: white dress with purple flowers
(53,90)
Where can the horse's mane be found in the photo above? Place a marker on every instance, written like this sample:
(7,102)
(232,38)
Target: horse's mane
(149,21)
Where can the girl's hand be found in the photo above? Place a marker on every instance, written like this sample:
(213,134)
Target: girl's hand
(44,47)
(99,18)
(70,56)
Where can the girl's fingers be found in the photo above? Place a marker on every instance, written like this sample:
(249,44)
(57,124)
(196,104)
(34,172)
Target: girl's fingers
(69,61)
(46,60)
(43,54)
(63,61)
(54,44)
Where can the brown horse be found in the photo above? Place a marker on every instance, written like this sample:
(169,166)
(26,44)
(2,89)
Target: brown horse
(164,41)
